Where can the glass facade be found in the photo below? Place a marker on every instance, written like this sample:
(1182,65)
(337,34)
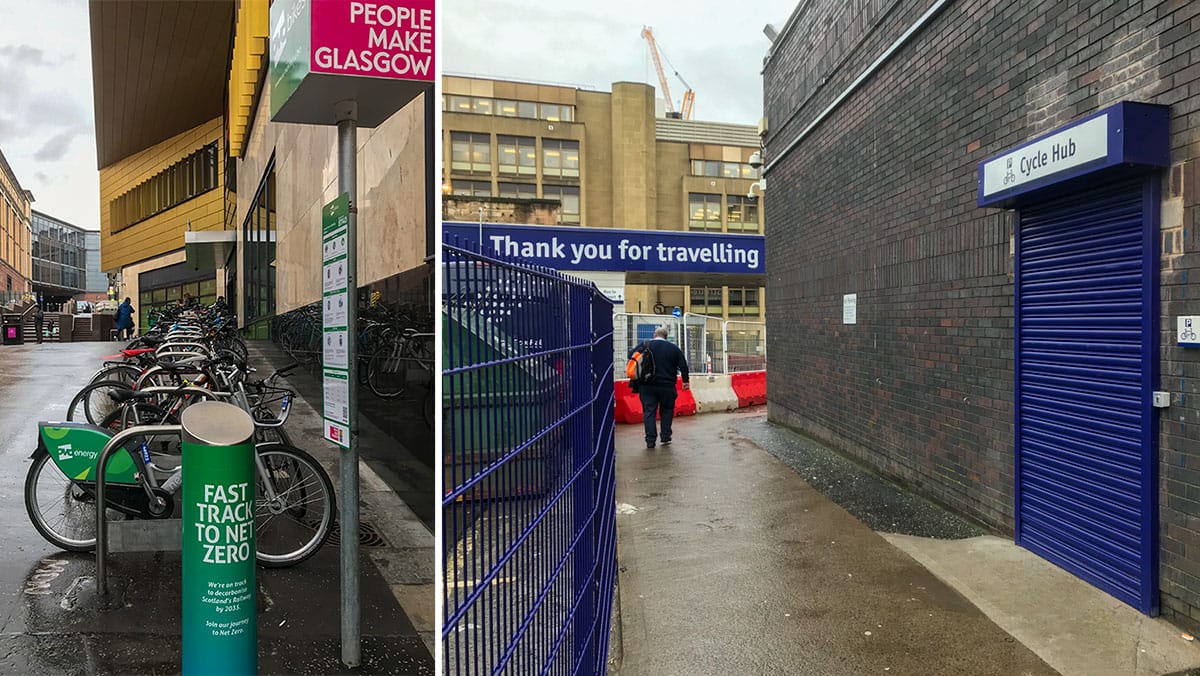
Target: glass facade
(60,257)
(258,251)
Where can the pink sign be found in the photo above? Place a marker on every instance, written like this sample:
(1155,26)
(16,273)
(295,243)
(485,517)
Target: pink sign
(390,39)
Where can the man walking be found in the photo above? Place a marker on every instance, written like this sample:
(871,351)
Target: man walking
(658,395)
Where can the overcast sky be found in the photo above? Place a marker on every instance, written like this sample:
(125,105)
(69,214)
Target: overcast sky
(716,45)
(47,131)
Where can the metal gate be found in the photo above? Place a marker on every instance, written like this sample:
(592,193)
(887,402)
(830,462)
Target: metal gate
(1086,363)
(528,511)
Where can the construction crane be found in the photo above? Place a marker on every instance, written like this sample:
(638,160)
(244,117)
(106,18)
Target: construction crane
(689,96)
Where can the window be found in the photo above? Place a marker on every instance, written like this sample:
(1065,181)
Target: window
(481,106)
(568,195)
(258,249)
(560,158)
(518,190)
(554,112)
(190,177)
(471,188)
(506,108)
(743,301)
(704,212)
(516,155)
(741,212)
(723,169)
(470,152)
(705,300)
(458,104)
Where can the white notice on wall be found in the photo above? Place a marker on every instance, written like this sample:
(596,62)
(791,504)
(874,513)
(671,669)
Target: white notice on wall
(850,308)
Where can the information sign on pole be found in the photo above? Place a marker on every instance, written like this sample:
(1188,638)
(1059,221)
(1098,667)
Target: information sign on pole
(335,223)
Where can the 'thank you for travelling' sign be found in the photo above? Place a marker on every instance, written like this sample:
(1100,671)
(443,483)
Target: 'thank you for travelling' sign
(575,248)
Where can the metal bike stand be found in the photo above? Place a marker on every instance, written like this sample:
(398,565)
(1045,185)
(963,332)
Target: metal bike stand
(110,448)
(102,482)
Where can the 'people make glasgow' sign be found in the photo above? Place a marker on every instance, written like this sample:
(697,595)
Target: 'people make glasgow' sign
(574,248)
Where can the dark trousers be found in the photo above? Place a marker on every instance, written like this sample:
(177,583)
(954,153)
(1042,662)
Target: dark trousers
(37,326)
(660,399)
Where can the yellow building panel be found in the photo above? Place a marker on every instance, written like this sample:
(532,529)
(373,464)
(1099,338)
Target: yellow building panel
(163,232)
(458,86)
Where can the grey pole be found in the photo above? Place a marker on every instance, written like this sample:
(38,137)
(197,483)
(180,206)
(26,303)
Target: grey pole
(346,114)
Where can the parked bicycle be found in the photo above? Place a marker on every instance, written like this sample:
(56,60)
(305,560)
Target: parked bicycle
(294,504)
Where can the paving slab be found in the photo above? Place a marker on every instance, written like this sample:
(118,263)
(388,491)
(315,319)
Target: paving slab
(1073,626)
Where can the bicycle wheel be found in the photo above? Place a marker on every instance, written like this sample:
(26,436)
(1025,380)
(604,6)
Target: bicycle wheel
(93,403)
(293,527)
(124,373)
(386,371)
(60,510)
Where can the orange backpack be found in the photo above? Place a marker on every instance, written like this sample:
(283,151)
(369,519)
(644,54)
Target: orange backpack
(640,368)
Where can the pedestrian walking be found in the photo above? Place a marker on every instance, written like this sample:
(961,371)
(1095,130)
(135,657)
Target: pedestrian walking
(125,313)
(39,319)
(658,395)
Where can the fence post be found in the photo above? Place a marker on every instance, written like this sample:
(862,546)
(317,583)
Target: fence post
(725,347)
(584,434)
(220,597)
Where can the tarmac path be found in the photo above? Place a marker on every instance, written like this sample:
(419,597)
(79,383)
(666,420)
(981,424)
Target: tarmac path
(730,563)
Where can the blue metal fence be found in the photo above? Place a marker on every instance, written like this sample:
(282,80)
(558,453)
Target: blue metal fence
(529,531)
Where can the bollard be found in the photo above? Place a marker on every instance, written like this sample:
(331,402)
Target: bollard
(220,597)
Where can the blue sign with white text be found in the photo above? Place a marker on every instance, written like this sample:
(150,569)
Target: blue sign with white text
(576,248)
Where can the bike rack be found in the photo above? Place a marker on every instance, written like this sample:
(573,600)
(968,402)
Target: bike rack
(110,448)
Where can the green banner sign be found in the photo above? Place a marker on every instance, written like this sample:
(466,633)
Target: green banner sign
(291,28)
(220,632)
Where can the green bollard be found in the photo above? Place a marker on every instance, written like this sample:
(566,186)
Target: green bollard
(220,597)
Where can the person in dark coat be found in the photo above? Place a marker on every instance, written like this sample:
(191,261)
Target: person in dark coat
(658,395)
(125,320)
(39,321)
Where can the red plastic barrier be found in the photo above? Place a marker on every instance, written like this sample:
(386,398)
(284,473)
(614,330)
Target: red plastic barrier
(629,405)
(750,388)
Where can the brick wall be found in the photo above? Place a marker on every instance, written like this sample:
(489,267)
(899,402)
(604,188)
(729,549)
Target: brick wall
(879,200)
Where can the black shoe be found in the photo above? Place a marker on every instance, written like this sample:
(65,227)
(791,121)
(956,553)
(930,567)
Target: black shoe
(649,444)
(665,442)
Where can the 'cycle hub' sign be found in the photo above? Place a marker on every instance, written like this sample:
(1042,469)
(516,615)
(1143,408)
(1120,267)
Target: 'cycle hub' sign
(1123,135)
(379,53)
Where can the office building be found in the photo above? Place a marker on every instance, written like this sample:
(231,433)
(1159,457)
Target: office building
(597,159)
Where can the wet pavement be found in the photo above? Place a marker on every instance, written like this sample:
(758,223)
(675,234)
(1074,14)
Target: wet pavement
(52,621)
(731,563)
(881,505)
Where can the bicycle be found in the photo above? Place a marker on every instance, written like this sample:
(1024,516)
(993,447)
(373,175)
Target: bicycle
(294,504)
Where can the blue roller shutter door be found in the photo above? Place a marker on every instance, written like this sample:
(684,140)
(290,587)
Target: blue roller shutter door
(1086,358)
